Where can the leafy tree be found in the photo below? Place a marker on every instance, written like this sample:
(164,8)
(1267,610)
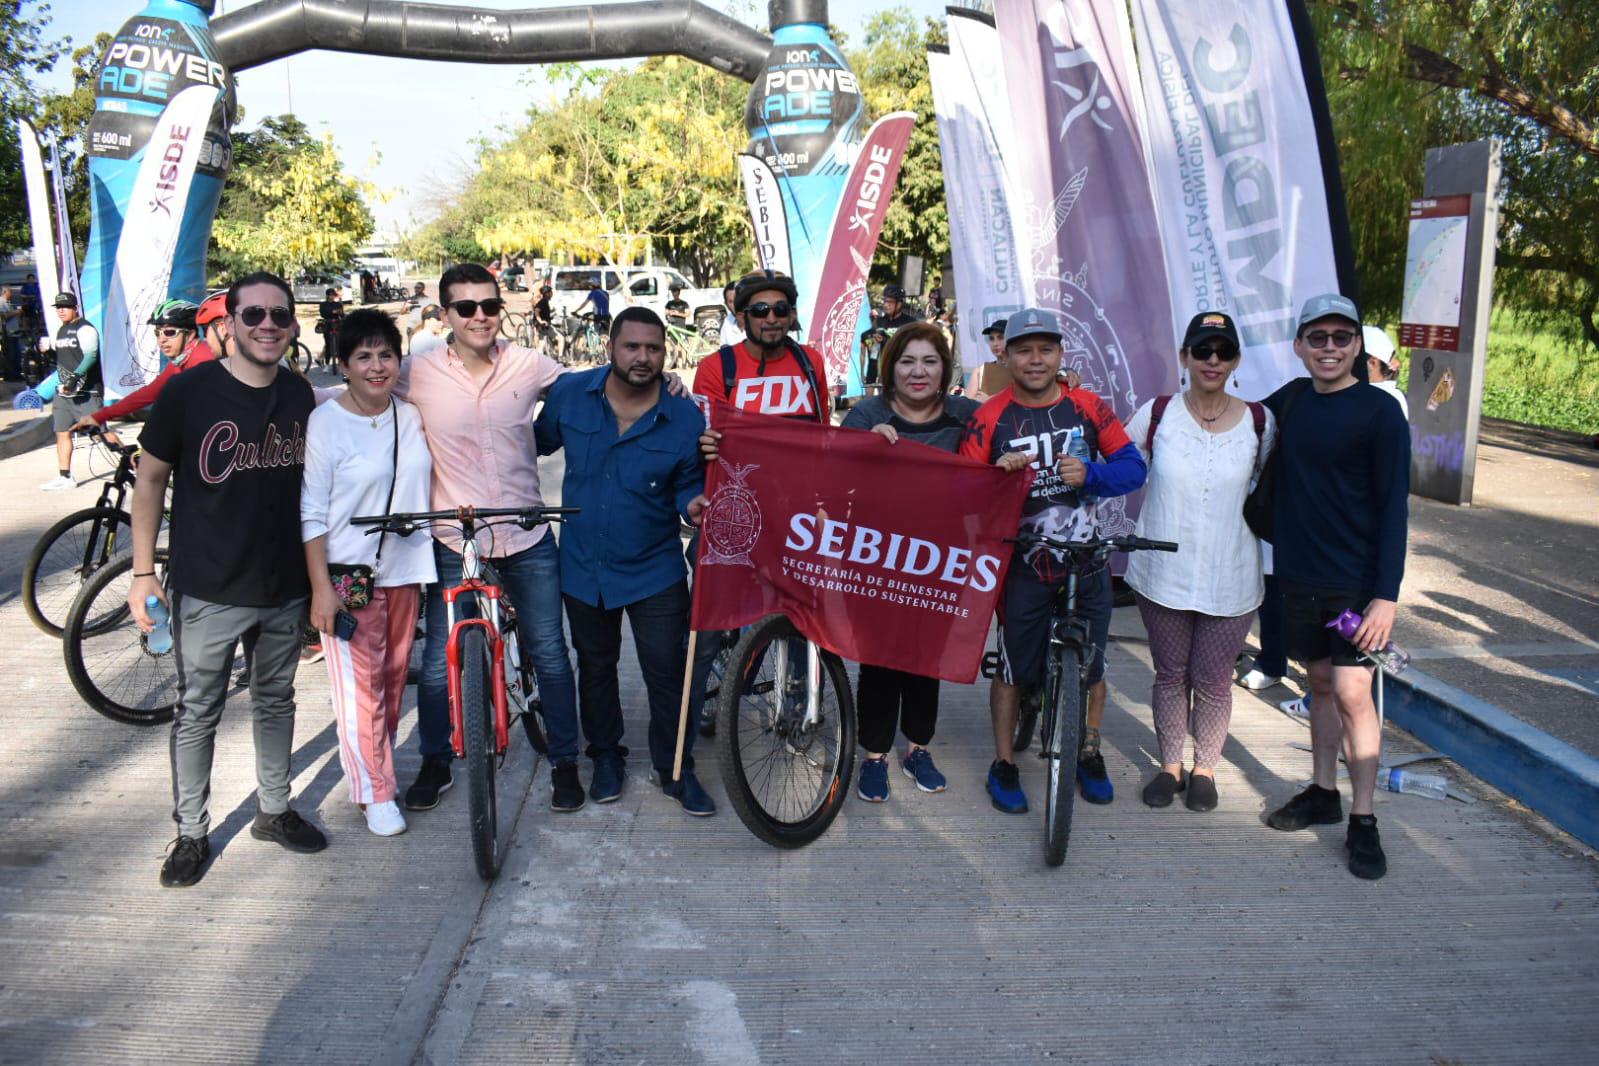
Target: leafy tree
(892,66)
(1405,77)
(288,205)
(26,50)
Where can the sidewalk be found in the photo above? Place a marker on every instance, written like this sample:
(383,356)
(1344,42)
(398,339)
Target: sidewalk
(925,929)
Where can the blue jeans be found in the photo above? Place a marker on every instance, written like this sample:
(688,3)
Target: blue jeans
(533,580)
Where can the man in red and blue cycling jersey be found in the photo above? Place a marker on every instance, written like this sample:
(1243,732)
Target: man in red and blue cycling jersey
(1034,423)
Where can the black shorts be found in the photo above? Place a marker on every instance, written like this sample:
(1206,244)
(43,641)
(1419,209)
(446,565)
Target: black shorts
(1024,631)
(1306,612)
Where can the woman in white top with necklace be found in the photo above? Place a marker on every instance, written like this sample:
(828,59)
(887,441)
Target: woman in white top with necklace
(365,454)
(1205,450)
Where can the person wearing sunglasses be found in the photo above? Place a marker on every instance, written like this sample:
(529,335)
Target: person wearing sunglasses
(230,435)
(176,335)
(1205,450)
(477,395)
(77,348)
(1339,531)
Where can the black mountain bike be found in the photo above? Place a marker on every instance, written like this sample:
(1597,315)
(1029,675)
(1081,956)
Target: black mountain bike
(69,552)
(1064,697)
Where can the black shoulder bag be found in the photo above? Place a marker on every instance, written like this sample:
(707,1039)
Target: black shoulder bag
(354,581)
(1260,504)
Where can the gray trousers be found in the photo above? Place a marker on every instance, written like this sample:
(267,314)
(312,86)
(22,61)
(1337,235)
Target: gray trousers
(204,635)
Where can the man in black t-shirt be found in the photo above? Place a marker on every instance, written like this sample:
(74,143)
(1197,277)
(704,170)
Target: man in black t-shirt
(677,308)
(230,434)
(329,313)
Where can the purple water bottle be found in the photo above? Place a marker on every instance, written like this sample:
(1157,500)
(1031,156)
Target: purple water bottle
(1392,657)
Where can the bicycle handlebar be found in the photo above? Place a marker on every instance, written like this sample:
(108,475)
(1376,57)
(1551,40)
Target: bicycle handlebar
(99,433)
(405,523)
(1100,544)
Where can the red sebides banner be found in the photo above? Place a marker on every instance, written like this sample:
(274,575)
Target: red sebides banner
(888,554)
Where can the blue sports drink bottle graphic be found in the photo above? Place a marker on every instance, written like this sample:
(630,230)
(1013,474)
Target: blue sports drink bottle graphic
(157,54)
(806,117)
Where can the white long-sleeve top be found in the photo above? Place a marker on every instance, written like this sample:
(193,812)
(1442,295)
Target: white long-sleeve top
(349,461)
(1197,485)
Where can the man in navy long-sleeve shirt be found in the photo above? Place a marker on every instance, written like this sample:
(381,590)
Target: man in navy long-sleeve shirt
(1040,423)
(1339,537)
(633,467)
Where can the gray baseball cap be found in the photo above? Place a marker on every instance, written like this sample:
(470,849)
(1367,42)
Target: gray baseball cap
(1327,305)
(1031,320)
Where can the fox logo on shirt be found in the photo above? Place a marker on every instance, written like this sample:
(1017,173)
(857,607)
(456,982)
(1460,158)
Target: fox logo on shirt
(774,395)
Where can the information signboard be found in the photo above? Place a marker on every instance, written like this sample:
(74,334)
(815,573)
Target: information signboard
(1435,273)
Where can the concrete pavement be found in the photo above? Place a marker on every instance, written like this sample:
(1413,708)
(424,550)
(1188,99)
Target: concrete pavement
(927,928)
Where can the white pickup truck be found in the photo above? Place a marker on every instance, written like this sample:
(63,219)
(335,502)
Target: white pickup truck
(651,287)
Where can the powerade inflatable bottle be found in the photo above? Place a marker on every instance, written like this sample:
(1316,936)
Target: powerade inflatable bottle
(806,118)
(157,54)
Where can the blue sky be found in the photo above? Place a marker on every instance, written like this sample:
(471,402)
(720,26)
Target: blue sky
(406,126)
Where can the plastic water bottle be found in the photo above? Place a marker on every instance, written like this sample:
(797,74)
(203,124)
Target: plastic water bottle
(1413,784)
(1077,448)
(1391,657)
(159,640)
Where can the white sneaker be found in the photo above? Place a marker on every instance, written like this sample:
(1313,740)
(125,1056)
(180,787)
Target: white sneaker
(57,484)
(1255,680)
(1295,708)
(385,819)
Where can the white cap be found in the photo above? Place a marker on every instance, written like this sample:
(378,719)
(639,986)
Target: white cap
(1377,345)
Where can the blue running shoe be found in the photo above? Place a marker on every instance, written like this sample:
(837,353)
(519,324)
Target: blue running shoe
(918,766)
(873,787)
(606,784)
(1092,779)
(1005,788)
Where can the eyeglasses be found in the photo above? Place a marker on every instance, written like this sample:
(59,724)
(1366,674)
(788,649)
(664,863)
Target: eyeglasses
(1340,338)
(170,331)
(468,308)
(1209,352)
(282,317)
(781,309)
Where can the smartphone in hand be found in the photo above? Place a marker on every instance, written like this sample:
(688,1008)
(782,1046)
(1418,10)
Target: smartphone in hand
(344,626)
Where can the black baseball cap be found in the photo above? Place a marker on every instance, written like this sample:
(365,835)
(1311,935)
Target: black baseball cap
(66,299)
(1208,324)
(995,327)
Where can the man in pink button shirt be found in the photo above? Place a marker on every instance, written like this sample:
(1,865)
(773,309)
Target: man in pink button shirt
(477,396)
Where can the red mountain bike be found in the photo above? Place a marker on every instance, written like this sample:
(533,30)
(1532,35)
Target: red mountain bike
(489,683)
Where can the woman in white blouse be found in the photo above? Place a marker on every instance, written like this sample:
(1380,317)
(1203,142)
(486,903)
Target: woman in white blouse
(1204,449)
(365,454)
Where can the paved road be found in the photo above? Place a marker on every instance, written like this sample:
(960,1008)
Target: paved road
(925,929)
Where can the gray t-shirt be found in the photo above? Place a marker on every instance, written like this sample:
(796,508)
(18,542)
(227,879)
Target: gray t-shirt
(943,432)
(10,317)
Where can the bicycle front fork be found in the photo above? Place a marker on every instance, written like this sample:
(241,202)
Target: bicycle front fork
(813,679)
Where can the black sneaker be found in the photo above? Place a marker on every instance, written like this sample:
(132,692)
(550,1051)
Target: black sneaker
(186,859)
(567,793)
(1366,859)
(1314,806)
(288,829)
(432,781)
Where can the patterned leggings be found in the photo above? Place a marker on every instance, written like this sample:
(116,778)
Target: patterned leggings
(1194,655)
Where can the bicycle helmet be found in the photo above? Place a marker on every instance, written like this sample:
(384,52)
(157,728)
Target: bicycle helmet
(179,313)
(212,308)
(763,281)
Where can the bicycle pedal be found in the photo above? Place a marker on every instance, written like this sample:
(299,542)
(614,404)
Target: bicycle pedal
(990,667)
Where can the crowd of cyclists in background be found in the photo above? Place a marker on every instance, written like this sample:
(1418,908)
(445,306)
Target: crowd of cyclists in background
(442,411)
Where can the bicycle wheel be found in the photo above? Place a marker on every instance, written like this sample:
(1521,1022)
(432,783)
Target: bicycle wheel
(522,689)
(65,557)
(1026,718)
(786,780)
(1065,721)
(477,716)
(108,662)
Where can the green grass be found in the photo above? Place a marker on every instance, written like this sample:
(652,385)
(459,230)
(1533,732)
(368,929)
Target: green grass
(1537,379)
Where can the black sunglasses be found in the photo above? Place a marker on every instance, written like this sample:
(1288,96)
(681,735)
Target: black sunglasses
(781,309)
(1340,338)
(282,317)
(468,308)
(1208,352)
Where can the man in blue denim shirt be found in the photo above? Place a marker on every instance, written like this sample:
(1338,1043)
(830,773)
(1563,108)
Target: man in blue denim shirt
(632,467)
